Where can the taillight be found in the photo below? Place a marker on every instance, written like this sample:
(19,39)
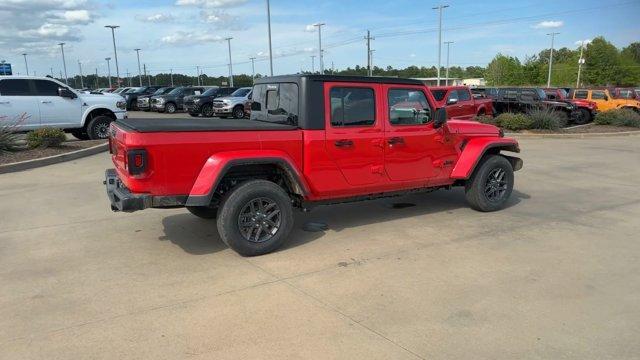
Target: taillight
(136,161)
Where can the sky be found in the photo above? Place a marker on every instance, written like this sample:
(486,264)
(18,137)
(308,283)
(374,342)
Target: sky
(183,34)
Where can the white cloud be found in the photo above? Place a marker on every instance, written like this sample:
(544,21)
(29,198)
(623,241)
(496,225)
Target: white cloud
(412,55)
(183,38)
(156,18)
(211,3)
(549,24)
(221,20)
(310,28)
(47,31)
(76,17)
(585,42)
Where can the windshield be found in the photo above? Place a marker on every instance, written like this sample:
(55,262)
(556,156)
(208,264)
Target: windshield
(210,92)
(160,91)
(242,92)
(136,90)
(176,91)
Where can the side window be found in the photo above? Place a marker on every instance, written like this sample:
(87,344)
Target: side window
(275,103)
(15,87)
(352,106)
(463,95)
(580,94)
(510,94)
(46,88)
(258,108)
(453,95)
(197,91)
(598,95)
(408,107)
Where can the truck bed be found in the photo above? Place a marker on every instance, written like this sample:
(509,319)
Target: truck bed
(198,125)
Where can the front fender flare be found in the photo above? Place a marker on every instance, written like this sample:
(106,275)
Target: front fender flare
(475,149)
(218,164)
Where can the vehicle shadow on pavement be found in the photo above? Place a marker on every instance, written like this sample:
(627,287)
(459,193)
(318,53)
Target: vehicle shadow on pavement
(199,236)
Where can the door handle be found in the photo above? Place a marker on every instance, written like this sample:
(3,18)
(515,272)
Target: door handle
(45,102)
(343,143)
(396,141)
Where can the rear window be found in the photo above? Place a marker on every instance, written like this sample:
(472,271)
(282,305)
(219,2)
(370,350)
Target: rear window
(439,94)
(352,106)
(580,94)
(598,95)
(277,103)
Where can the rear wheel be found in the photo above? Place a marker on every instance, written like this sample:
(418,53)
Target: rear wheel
(204,212)
(563,116)
(491,184)
(238,112)
(207,110)
(255,218)
(98,127)
(170,108)
(584,117)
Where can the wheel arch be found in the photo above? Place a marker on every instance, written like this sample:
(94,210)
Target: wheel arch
(93,112)
(475,149)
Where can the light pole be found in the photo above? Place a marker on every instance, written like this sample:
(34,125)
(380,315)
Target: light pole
(269,30)
(25,62)
(580,62)
(81,80)
(553,36)
(97,85)
(253,68)
(115,52)
(446,81)
(439,8)
(171,74)
(139,71)
(230,65)
(108,71)
(198,72)
(313,64)
(320,63)
(64,64)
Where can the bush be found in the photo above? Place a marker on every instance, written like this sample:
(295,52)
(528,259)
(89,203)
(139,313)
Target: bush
(9,140)
(486,119)
(45,137)
(511,121)
(618,117)
(547,119)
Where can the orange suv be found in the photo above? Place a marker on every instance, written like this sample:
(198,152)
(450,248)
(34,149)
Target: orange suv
(603,99)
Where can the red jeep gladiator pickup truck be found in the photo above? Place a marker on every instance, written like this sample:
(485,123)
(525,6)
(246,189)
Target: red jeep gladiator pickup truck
(310,140)
(460,102)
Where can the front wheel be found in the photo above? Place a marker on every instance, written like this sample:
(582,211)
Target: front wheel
(207,110)
(583,118)
(238,112)
(98,127)
(491,184)
(255,218)
(170,108)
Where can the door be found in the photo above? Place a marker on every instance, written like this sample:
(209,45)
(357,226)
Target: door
(601,99)
(453,104)
(412,145)
(466,104)
(18,105)
(55,110)
(354,131)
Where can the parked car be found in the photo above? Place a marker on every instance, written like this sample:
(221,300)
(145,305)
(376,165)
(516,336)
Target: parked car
(311,140)
(120,90)
(144,102)
(587,108)
(234,104)
(174,100)
(604,100)
(523,100)
(623,93)
(460,103)
(202,104)
(484,92)
(131,96)
(50,103)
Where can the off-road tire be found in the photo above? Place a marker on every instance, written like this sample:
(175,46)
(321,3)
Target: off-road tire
(98,127)
(477,185)
(207,110)
(564,116)
(170,108)
(584,118)
(237,200)
(238,112)
(80,134)
(204,212)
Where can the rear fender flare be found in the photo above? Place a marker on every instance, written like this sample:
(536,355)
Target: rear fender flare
(219,164)
(475,149)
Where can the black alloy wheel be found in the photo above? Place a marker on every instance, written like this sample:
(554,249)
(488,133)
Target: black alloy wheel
(259,220)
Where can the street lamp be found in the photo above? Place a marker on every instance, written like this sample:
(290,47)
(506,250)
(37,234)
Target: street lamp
(439,8)
(230,66)
(447,73)
(81,80)
(253,68)
(553,36)
(139,71)
(269,30)
(64,64)
(115,53)
(25,62)
(108,71)
(320,62)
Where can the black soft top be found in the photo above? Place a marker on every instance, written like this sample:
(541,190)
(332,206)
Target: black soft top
(198,124)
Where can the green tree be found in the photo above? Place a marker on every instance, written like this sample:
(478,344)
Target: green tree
(504,70)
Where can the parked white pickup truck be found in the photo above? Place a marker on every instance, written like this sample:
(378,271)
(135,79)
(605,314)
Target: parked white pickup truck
(47,102)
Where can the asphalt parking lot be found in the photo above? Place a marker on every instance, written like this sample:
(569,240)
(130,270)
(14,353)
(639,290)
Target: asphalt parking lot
(556,275)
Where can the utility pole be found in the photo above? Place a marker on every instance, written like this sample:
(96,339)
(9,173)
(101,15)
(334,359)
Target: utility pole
(253,68)
(369,38)
(371,60)
(580,62)
(115,53)
(171,74)
(64,64)
(81,80)
(269,30)
(320,63)
(128,77)
(439,8)
(230,64)
(139,72)
(313,64)
(97,78)
(553,36)
(25,62)
(198,72)
(447,72)
(108,71)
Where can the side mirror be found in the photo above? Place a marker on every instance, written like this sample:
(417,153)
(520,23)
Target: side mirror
(440,118)
(66,93)
(452,101)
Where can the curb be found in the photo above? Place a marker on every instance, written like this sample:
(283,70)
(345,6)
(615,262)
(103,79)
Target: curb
(574,136)
(50,160)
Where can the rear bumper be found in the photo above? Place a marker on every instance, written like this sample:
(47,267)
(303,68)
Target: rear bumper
(123,200)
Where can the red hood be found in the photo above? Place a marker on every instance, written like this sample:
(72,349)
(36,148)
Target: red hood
(467,127)
(583,103)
